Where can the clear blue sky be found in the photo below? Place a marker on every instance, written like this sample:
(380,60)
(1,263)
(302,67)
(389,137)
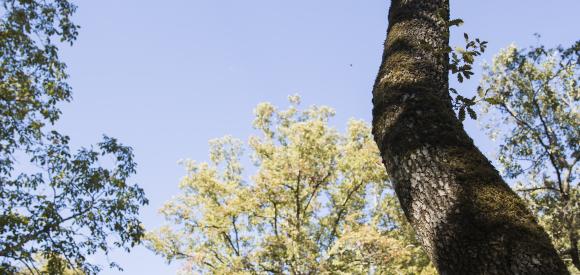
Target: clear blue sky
(166,76)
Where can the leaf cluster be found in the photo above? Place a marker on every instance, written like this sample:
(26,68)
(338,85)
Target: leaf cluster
(319,202)
(71,208)
(32,78)
(461,64)
(55,203)
(462,59)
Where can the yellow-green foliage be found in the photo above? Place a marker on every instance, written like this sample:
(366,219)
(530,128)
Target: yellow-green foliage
(319,202)
(48,264)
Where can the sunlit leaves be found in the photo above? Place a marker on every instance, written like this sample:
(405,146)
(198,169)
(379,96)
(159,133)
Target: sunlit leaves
(319,202)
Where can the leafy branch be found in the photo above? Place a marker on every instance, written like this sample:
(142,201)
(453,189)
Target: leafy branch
(461,64)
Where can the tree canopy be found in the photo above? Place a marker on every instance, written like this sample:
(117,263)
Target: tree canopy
(319,202)
(532,99)
(63,205)
(308,198)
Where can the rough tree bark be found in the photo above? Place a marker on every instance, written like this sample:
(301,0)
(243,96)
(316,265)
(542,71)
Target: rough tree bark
(467,218)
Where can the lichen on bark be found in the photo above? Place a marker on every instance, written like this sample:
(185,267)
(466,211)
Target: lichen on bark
(467,218)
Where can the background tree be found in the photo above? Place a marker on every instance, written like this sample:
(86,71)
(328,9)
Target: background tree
(533,99)
(43,266)
(467,218)
(318,203)
(64,205)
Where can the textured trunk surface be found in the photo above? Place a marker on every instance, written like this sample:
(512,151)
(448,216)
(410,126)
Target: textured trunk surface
(467,218)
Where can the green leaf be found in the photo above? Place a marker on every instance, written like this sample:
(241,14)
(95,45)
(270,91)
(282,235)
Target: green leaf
(468,57)
(472,113)
(462,114)
(455,22)
(492,100)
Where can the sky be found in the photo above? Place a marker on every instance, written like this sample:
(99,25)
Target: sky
(166,76)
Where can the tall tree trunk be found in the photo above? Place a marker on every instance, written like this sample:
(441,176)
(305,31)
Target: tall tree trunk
(467,218)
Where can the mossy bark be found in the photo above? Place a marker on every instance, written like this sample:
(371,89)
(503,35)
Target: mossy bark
(467,218)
